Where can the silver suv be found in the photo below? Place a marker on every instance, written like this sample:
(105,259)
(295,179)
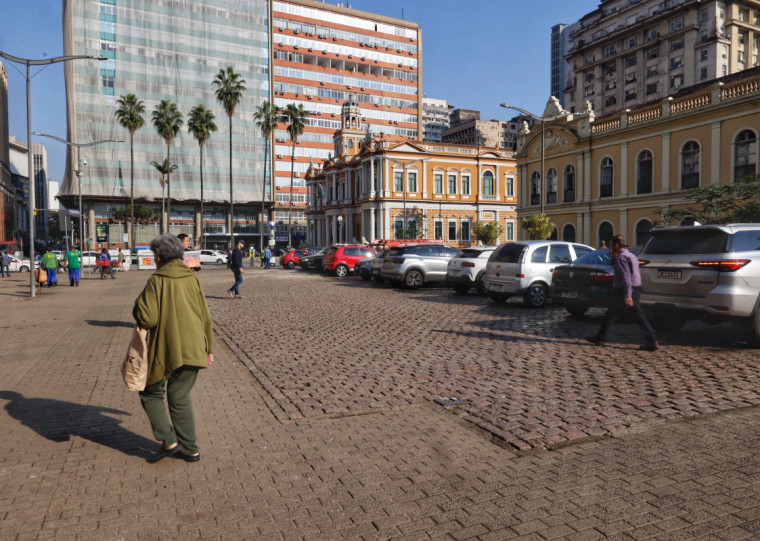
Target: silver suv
(417,264)
(525,268)
(708,272)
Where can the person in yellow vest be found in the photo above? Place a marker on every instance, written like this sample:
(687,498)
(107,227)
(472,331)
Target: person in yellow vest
(50,264)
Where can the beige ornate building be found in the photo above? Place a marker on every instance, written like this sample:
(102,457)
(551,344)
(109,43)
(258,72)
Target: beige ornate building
(374,187)
(628,52)
(613,174)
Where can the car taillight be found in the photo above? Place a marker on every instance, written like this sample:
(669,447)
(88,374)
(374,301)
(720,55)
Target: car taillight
(643,262)
(724,265)
(554,275)
(519,276)
(468,264)
(600,277)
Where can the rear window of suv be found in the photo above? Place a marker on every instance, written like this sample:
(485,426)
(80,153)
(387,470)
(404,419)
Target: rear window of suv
(470,254)
(745,241)
(508,253)
(697,241)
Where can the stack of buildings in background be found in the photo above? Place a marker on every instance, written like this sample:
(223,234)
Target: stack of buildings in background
(657,96)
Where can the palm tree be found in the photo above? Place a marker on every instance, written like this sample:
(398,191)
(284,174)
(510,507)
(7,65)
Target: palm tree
(266,117)
(165,170)
(167,120)
(296,117)
(229,92)
(201,125)
(129,115)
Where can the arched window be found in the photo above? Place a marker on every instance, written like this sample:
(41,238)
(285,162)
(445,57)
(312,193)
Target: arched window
(535,188)
(551,186)
(568,233)
(643,229)
(644,170)
(605,233)
(606,173)
(569,183)
(690,165)
(488,188)
(745,154)
(350,144)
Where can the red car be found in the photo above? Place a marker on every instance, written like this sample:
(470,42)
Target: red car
(290,260)
(340,259)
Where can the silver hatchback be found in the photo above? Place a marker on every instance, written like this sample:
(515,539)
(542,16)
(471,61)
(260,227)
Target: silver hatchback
(708,272)
(525,268)
(417,264)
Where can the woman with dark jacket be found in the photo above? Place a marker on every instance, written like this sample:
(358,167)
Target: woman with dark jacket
(174,308)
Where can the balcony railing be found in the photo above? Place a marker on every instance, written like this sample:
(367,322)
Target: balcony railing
(605,190)
(551,197)
(689,180)
(535,199)
(569,196)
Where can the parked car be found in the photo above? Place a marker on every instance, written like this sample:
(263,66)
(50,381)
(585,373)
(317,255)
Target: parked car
(584,283)
(89,258)
(468,269)
(312,261)
(708,272)
(417,264)
(341,259)
(21,265)
(377,264)
(214,257)
(290,259)
(525,268)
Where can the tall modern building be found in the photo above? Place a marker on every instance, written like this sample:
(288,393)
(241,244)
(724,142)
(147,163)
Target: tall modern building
(321,54)
(435,118)
(560,69)
(627,52)
(7,192)
(166,51)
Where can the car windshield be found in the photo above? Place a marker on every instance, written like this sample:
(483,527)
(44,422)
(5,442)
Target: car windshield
(597,257)
(687,242)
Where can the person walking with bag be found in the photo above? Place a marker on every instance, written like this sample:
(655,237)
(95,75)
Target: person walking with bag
(173,308)
(236,264)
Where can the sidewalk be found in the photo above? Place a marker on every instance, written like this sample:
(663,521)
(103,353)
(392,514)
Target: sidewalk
(74,442)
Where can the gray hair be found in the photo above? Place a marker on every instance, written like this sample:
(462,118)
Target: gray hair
(167,247)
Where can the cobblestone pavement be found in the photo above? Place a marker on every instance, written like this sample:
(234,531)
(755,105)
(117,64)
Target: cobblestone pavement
(317,422)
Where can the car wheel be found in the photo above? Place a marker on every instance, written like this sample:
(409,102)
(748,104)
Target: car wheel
(462,290)
(413,279)
(535,297)
(291,264)
(24,268)
(341,271)
(219,262)
(365,275)
(499,299)
(576,309)
(480,284)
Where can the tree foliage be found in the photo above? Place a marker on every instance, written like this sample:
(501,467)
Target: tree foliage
(142,214)
(538,226)
(736,202)
(488,232)
(414,227)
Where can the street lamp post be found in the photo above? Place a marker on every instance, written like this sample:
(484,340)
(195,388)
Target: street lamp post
(543,121)
(403,164)
(78,146)
(340,226)
(30,165)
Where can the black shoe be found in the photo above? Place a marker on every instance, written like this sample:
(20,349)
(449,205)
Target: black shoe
(650,346)
(189,458)
(595,340)
(163,452)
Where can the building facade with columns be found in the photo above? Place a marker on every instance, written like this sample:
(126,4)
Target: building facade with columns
(615,174)
(378,187)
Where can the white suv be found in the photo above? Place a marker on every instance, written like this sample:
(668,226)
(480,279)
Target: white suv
(708,272)
(525,268)
(468,269)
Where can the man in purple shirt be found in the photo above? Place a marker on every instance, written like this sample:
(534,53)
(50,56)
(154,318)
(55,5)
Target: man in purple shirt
(626,283)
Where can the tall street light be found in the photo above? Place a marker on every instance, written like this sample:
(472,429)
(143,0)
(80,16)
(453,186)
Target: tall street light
(543,121)
(403,164)
(30,165)
(79,171)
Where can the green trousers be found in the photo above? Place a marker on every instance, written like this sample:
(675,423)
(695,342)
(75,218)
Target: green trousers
(177,387)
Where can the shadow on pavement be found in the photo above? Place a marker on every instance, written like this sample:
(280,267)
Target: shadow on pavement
(96,323)
(57,421)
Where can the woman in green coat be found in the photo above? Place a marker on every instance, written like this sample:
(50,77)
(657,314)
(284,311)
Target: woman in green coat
(174,308)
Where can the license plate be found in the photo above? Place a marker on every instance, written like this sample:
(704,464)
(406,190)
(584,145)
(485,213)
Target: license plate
(496,287)
(569,294)
(455,273)
(669,274)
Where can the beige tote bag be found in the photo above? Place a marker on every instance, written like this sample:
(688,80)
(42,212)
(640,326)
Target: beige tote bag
(134,369)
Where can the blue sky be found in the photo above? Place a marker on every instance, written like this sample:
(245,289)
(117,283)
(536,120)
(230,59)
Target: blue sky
(475,53)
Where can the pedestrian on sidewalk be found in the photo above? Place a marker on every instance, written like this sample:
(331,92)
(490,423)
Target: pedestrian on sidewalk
(267,257)
(626,283)
(173,306)
(236,264)
(50,264)
(74,262)
(5,265)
